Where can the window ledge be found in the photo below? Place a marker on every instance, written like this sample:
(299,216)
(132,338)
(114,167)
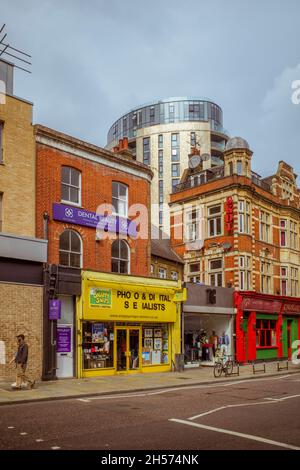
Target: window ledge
(71,204)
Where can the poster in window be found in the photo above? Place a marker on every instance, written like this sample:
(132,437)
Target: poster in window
(156,357)
(146,356)
(157,343)
(148,332)
(165,345)
(148,343)
(98,332)
(157,332)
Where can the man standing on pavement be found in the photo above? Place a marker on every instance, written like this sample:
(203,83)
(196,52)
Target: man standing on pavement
(21,359)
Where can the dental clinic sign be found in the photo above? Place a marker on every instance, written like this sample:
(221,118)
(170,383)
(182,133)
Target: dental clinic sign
(106,223)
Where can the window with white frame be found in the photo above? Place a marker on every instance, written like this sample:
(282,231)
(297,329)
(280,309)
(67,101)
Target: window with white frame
(70,249)
(215,220)
(194,279)
(245,272)
(70,185)
(192,225)
(294,282)
(120,198)
(266,274)
(265,227)
(174,275)
(162,273)
(152,269)
(284,280)
(216,272)
(120,257)
(244,217)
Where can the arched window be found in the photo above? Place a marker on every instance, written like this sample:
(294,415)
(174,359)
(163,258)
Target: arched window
(70,249)
(120,257)
(70,185)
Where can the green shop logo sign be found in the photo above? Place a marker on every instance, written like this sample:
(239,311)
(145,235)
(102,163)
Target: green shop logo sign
(100,297)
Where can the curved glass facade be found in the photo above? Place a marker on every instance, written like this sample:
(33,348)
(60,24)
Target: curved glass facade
(164,112)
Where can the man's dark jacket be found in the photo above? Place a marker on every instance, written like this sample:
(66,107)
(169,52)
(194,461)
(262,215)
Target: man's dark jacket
(22,354)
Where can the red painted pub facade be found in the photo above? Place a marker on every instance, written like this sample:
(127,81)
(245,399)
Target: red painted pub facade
(267,327)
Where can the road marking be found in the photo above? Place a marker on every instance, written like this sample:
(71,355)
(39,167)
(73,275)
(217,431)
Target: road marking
(55,448)
(281,377)
(237,434)
(39,440)
(10,427)
(215,410)
(175,389)
(237,405)
(23,433)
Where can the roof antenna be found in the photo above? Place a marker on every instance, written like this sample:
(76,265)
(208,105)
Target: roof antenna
(17,54)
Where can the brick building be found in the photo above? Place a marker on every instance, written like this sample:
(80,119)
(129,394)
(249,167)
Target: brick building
(82,176)
(236,229)
(21,254)
(165,262)
(93,207)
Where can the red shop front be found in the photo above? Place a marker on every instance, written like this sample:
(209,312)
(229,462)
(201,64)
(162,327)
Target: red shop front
(267,327)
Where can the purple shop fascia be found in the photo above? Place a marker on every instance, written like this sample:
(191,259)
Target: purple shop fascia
(102,223)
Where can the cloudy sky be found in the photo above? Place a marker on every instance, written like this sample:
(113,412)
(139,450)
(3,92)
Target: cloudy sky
(95,59)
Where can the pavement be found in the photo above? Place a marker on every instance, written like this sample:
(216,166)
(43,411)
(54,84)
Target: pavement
(259,414)
(108,385)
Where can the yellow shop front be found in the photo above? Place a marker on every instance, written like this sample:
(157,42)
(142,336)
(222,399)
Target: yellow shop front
(127,324)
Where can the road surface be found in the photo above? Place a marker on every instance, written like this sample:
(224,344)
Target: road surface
(248,414)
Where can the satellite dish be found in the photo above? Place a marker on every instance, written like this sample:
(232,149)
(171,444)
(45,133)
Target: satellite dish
(205,157)
(194,161)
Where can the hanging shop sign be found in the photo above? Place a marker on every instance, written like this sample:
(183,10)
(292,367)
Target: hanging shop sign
(107,223)
(54,309)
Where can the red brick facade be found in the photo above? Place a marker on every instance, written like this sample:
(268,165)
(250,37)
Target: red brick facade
(55,150)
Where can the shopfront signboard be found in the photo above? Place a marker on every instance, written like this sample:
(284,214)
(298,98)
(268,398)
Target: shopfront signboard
(106,223)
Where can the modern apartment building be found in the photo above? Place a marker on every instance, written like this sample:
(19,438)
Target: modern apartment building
(163,134)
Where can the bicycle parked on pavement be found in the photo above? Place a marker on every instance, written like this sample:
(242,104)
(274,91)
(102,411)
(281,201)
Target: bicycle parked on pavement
(223,364)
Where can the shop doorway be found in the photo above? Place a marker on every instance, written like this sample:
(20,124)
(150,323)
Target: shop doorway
(65,339)
(128,346)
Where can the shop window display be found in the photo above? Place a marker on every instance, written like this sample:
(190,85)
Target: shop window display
(155,343)
(98,345)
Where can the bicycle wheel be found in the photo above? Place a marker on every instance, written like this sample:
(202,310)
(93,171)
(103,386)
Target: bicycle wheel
(218,369)
(229,367)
